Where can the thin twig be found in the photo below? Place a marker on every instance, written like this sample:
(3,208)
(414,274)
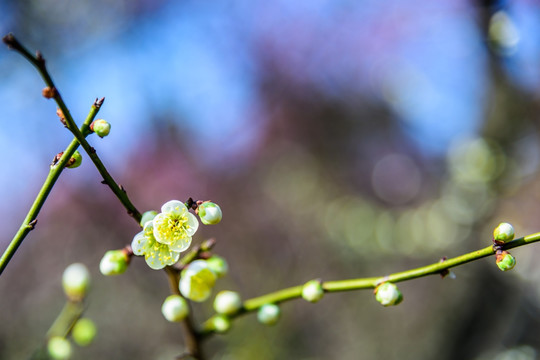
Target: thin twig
(295,292)
(54,173)
(39,62)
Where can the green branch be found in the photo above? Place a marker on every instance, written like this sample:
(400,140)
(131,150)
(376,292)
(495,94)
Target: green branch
(39,62)
(438,268)
(54,173)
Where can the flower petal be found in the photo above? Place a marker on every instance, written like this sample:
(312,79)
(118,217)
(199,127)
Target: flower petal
(192,224)
(139,243)
(181,245)
(173,206)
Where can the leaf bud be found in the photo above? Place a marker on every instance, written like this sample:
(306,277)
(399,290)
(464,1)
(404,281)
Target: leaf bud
(100,127)
(505,261)
(227,302)
(76,281)
(84,331)
(175,308)
(312,291)
(114,262)
(48,92)
(268,314)
(210,213)
(388,294)
(503,233)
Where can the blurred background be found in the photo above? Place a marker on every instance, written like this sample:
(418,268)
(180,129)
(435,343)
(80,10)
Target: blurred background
(342,139)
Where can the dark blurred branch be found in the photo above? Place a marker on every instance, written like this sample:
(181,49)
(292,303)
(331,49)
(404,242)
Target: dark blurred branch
(438,268)
(191,336)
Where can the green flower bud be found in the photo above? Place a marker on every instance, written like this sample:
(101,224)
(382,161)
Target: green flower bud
(76,280)
(505,261)
(114,262)
(227,302)
(503,233)
(388,294)
(100,127)
(148,216)
(218,265)
(59,348)
(209,213)
(84,332)
(197,281)
(75,160)
(268,314)
(175,308)
(312,291)
(221,323)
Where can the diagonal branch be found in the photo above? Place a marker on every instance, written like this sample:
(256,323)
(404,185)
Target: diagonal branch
(54,173)
(39,62)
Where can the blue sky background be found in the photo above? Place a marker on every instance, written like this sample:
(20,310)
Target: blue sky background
(199,61)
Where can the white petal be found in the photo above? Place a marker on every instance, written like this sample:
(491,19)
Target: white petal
(154,262)
(193,224)
(138,243)
(182,245)
(173,206)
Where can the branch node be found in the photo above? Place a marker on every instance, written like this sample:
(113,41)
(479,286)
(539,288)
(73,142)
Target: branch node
(32,224)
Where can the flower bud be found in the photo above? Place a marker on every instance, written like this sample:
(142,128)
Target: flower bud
(175,308)
(388,294)
(268,314)
(114,262)
(505,261)
(227,302)
(148,216)
(75,160)
(84,332)
(312,291)
(503,233)
(59,348)
(218,265)
(209,213)
(221,323)
(197,281)
(100,127)
(76,280)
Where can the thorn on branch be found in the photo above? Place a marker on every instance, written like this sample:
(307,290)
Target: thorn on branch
(104,182)
(122,188)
